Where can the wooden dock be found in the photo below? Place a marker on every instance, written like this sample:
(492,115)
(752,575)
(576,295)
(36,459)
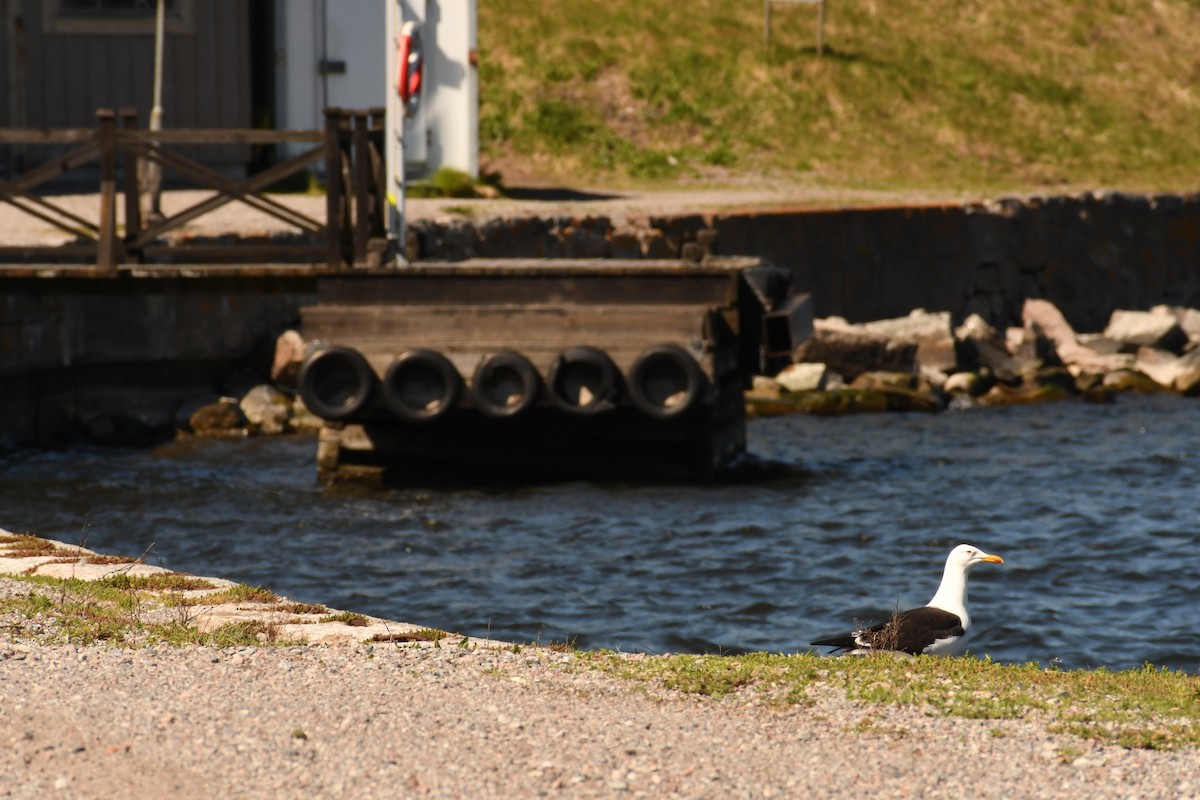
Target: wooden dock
(556,369)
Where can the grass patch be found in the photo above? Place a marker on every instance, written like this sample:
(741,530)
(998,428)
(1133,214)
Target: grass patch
(421,635)
(1141,708)
(348,617)
(115,610)
(238,593)
(961,96)
(26,545)
(303,608)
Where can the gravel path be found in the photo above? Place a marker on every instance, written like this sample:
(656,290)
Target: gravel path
(18,228)
(391,721)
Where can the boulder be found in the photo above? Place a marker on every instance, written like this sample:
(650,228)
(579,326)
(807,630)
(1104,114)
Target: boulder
(1188,319)
(803,377)
(267,409)
(765,398)
(968,383)
(1134,329)
(1025,394)
(290,351)
(1042,316)
(1130,380)
(929,331)
(1178,373)
(840,401)
(183,414)
(986,347)
(851,352)
(222,418)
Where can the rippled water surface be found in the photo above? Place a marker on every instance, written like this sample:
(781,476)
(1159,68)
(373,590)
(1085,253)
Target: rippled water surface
(1094,508)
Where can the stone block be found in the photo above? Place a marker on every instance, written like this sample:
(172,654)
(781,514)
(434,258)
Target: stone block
(1135,329)
(803,377)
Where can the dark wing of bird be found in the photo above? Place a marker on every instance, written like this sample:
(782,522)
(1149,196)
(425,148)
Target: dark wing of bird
(906,631)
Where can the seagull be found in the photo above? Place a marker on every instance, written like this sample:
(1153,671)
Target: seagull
(939,628)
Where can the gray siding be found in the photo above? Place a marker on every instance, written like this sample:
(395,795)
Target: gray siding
(206,75)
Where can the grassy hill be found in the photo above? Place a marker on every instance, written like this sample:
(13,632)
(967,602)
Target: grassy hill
(962,95)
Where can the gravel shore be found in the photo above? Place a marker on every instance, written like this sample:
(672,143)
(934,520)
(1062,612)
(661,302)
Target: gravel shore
(403,721)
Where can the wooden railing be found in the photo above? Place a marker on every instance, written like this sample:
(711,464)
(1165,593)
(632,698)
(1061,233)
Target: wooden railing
(353,232)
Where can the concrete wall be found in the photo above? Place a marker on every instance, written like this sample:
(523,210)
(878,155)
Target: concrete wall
(1089,254)
(86,356)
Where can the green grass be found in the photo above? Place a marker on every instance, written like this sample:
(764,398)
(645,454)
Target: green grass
(1141,708)
(114,610)
(955,95)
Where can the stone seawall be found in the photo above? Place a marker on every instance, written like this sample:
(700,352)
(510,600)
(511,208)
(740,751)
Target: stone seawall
(1088,254)
(114,358)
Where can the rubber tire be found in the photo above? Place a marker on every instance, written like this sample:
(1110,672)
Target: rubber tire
(607,385)
(516,370)
(419,364)
(688,377)
(336,383)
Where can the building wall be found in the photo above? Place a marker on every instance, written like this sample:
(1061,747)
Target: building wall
(72,69)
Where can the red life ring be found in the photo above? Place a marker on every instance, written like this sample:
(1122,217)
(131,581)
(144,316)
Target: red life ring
(409,66)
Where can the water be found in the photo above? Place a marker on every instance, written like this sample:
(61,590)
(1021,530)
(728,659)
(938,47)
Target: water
(1094,509)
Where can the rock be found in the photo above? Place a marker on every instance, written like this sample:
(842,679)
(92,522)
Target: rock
(903,391)
(1031,349)
(1025,394)
(1055,376)
(223,418)
(1129,380)
(930,331)
(851,352)
(803,377)
(183,415)
(267,409)
(625,244)
(1178,373)
(1099,343)
(765,399)
(302,419)
(1188,319)
(290,351)
(984,345)
(1043,316)
(840,401)
(881,381)
(969,383)
(1134,329)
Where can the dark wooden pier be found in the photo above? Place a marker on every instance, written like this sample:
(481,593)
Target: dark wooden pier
(557,369)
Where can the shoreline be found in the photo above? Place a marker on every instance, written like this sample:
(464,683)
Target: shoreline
(472,718)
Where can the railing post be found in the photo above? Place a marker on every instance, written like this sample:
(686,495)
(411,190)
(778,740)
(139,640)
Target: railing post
(132,163)
(362,173)
(333,187)
(106,239)
(378,172)
(378,246)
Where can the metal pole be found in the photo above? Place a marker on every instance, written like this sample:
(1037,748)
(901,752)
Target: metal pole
(394,137)
(153,168)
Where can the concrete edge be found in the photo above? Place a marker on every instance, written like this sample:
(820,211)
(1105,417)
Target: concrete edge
(308,623)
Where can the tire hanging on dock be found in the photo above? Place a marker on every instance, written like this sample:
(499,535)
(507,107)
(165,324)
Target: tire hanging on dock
(336,383)
(666,382)
(421,386)
(505,384)
(584,380)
